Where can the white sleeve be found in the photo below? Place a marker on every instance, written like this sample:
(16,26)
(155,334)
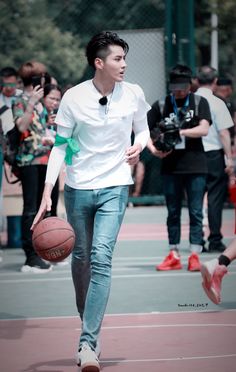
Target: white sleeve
(57,156)
(223,119)
(142,134)
(140,124)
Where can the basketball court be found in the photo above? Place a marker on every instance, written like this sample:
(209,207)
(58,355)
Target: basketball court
(155,321)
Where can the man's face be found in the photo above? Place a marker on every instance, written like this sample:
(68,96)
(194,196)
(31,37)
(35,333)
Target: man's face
(9,86)
(181,93)
(223,91)
(113,66)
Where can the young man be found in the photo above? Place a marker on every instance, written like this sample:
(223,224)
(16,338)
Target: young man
(184,166)
(97,118)
(9,91)
(217,145)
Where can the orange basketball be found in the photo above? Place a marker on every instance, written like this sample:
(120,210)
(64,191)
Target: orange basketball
(53,239)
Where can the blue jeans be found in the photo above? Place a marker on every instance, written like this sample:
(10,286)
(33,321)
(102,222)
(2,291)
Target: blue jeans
(174,187)
(96,216)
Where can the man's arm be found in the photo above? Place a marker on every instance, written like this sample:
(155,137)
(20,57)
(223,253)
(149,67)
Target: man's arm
(226,143)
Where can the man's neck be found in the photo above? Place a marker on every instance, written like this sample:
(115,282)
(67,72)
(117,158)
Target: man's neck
(208,86)
(103,87)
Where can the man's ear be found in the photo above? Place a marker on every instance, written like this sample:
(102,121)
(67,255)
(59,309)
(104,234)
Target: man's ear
(98,63)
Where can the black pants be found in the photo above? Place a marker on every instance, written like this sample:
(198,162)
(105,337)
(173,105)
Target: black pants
(32,180)
(217,181)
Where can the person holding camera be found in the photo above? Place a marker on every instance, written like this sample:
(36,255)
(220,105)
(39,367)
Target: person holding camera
(33,153)
(178,141)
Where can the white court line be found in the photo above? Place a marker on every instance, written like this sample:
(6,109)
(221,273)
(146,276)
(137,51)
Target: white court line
(166,326)
(29,279)
(177,359)
(122,315)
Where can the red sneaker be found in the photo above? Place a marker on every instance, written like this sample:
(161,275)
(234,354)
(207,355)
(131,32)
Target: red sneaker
(194,262)
(212,274)
(171,262)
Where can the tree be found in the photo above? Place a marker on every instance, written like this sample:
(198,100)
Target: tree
(226,12)
(27,35)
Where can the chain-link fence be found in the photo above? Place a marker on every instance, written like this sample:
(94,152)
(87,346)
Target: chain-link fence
(142,25)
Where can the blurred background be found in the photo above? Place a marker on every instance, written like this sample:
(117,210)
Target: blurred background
(160,34)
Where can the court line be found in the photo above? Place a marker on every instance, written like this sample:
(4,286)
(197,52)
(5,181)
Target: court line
(123,315)
(118,361)
(116,276)
(143,326)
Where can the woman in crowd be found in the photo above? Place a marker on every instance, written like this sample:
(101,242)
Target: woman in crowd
(32,158)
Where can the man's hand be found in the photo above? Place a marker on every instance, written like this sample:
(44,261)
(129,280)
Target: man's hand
(229,169)
(158,153)
(45,206)
(132,154)
(36,95)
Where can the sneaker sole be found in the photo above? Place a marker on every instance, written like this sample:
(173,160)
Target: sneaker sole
(206,276)
(194,269)
(211,294)
(34,270)
(90,368)
(168,268)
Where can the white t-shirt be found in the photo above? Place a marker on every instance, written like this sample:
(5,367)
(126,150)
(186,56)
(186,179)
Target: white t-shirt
(221,119)
(103,134)
(7,121)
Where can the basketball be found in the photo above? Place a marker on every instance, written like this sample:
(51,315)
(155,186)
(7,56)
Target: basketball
(53,239)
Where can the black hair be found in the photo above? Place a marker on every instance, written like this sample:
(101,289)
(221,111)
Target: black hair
(98,46)
(206,75)
(49,87)
(181,71)
(8,71)
(224,81)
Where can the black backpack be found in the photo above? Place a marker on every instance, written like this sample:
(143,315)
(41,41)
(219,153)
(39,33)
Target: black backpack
(10,143)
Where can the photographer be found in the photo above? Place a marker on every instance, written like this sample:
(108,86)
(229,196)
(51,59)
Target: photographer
(186,118)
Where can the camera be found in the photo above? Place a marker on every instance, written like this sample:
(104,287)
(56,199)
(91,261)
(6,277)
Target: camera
(166,135)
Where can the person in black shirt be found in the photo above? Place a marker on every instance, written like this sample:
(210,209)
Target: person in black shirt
(184,166)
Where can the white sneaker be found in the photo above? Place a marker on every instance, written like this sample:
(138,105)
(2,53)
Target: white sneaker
(36,265)
(87,359)
(61,263)
(98,348)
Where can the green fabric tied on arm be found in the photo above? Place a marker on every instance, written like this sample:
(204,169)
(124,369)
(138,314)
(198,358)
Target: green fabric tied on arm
(71,149)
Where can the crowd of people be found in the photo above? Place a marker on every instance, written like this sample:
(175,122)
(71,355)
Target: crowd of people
(191,134)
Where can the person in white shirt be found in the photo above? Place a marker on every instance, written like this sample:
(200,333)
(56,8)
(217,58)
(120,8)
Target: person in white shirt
(8,85)
(217,145)
(97,117)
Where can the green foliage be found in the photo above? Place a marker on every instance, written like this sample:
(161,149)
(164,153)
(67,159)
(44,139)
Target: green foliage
(55,32)
(226,11)
(27,34)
